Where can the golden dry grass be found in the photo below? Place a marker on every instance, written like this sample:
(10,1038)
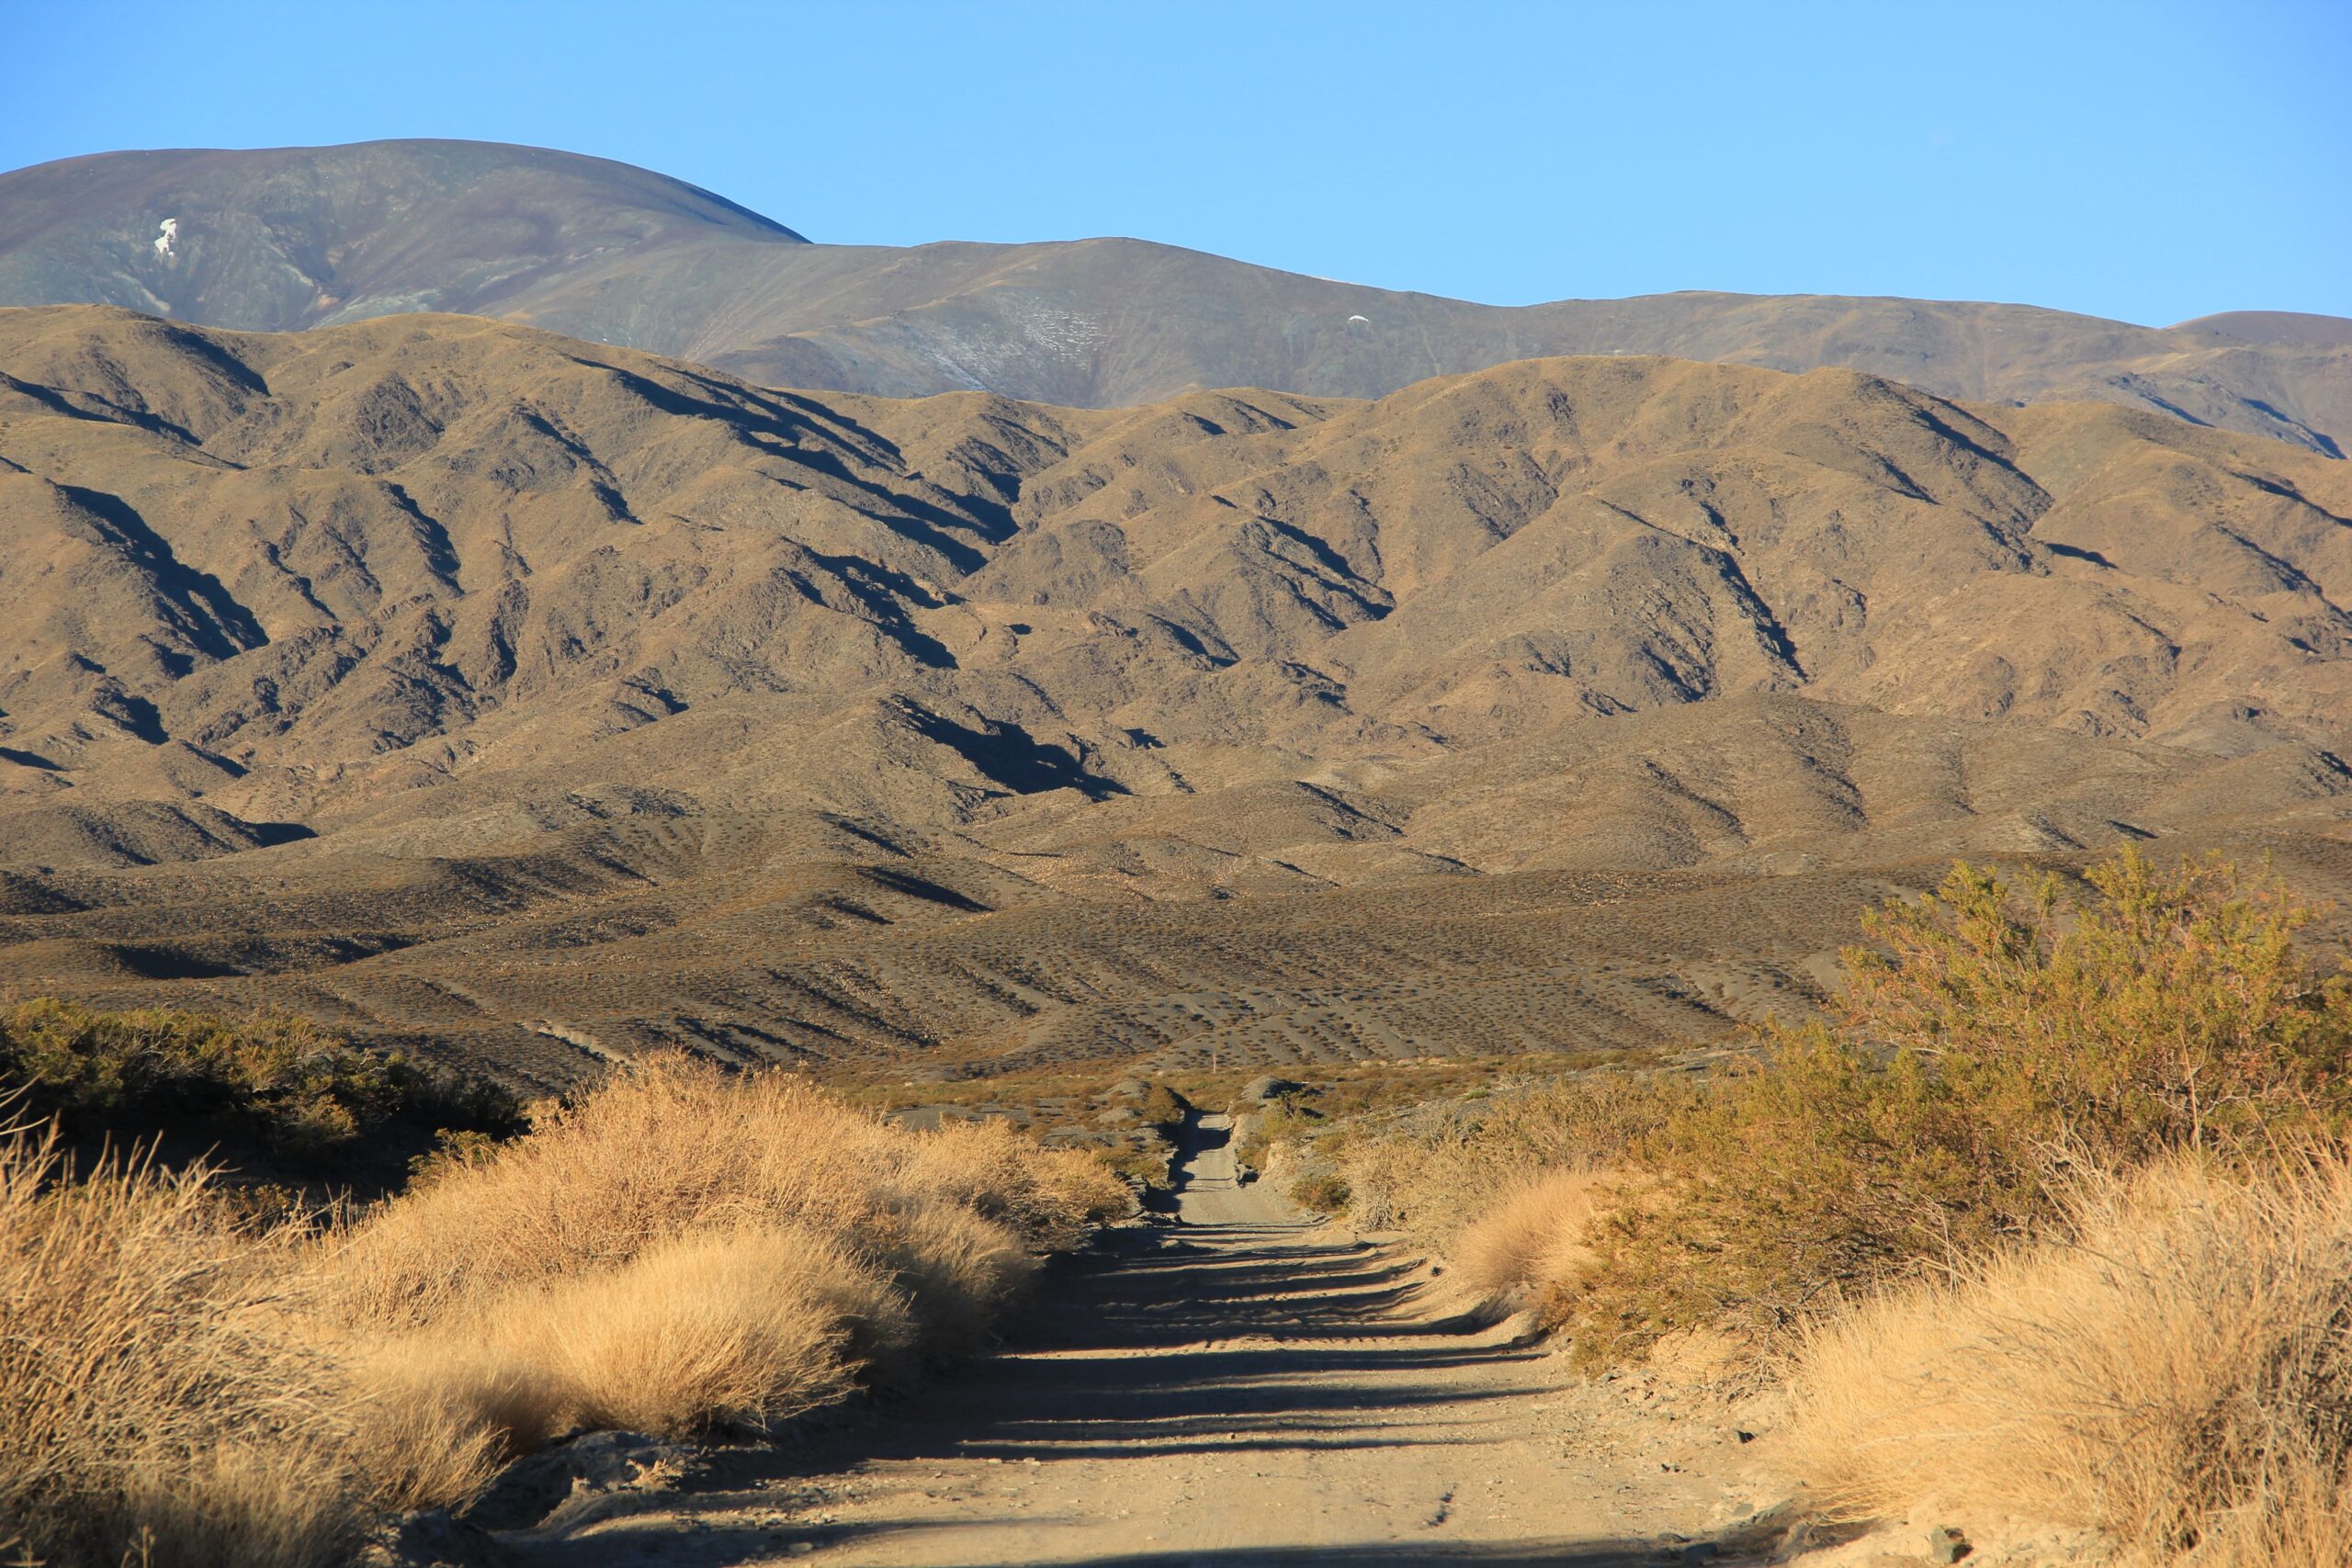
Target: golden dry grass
(740,1327)
(1534,1235)
(679,1251)
(1437,1169)
(663,1150)
(150,1402)
(2176,1376)
(433,1420)
(685,1249)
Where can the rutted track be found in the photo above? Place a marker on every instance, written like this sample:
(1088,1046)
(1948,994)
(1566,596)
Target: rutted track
(1239,1388)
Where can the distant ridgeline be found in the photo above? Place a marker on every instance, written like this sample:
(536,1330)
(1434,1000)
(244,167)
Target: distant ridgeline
(301,237)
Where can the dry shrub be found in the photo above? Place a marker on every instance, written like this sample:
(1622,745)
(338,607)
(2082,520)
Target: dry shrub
(958,1270)
(150,1401)
(1438,1167)
(684,1248)
(670,1148)
(1389,1169)
(675,1147)
(434,1418)
(1511,1186)
(725,1328)
(2178,1375)
(679,1250)
(1536,1235)
(1051,1199)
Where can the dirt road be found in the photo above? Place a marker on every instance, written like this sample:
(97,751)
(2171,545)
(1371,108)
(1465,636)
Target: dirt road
(1236,1388)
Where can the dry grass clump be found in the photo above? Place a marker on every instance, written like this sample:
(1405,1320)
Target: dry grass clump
(151,1404)
(431,1421)
(736,1327)
(679,1251)
(1051,1202)
(1439,1166)
(685,1249)
(2177,1374)
(674,1149)
(1538,1234)
(667,1148)
(1519,1189)
(725,1328)
(956,1272)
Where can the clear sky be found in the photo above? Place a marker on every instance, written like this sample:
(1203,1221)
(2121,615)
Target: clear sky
(2149,162)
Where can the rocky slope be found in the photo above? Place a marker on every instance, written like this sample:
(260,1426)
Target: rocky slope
(448,677)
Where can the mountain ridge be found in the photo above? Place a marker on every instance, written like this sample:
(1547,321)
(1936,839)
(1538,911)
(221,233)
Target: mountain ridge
(530,700)
(1097,322)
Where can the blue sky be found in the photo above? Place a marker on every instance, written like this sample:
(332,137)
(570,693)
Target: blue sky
(2147,162)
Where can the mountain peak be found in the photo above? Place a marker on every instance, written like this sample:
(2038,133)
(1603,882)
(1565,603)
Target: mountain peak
(291,237)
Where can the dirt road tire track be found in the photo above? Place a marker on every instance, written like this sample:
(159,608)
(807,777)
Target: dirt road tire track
(1239,1388)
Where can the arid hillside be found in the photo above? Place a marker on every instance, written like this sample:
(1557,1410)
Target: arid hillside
(453,680)
(289,238)
(305,236)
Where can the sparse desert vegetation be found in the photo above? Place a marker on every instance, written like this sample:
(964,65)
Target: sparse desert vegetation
(1693,927)
(2059,1186)
(680,1251)
(273,1090)
(2169,1368)
(1536,1232)
(2060,1174)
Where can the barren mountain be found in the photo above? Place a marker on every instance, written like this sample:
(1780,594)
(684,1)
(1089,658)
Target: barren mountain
(299,237)
(448,677)
(2283,327)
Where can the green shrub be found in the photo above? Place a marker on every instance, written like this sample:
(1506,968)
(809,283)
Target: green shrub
(1320,1191)
(2172,1010)
(275,1083)
(1988,1044)
(1163,1109)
